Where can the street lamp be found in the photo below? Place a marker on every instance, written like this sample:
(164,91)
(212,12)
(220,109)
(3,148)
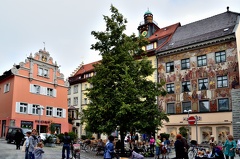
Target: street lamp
(40,108)
(188,111)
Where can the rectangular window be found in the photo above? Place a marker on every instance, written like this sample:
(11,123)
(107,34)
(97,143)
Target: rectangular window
(204,106)
(203,84)
(69,90)
(42,72)
(59,112)
(49,111)
(186,106)
(85,100)
(222,81)
(50,92)
(149,46)
(75,89)
(170,88)
(186,86)
(202,60)
(220,56)
(23,107)
(170,108)
(36,89)
(69,101)
(75,100)
(7,87)
(35,109)
(223,104)
(86,86)
(170,67)
(185,63)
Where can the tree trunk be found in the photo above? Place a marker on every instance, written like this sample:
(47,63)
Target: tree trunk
(122,135)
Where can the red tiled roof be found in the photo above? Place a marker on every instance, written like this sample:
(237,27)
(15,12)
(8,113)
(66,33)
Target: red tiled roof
(163,32)
(86,68)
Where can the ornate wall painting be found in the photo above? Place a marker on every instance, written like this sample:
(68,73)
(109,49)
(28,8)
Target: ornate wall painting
(173,132)
(177,87)
(195,106)
(213,105)
(177,97)
(194,85)
(186,96)
(170,98)
(212,83)
(205,133)
(222,133)
(178,108)
(222,92)
(204,94)
(194,96)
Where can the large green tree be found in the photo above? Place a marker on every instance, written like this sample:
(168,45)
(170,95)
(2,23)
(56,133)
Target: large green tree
(121,96)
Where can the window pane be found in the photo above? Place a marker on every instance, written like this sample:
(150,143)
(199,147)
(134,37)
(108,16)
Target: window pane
(186,106)
(204,106)
(223,104)
(170,108)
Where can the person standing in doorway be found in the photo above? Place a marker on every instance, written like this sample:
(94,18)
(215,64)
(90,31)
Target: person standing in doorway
(66,145)
(33,140)
(18,138)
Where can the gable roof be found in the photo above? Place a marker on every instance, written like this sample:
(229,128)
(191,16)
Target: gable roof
(213,27)
(86,68)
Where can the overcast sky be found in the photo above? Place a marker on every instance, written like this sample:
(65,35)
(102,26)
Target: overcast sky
(65,25)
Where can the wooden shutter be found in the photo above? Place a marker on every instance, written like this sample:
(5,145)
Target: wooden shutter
(64,113)
(29,108)
(54,112)
(18,107)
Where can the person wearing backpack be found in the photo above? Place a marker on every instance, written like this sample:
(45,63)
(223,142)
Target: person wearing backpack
(66,145)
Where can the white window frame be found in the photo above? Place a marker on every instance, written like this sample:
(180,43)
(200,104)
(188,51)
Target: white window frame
(69,90)
(75,101)
(35,109)
(59,112)
(21,107)
(85,100)
(49,111)
(6,88)
(149,46)
(43,72)
(75,89)
(69,101)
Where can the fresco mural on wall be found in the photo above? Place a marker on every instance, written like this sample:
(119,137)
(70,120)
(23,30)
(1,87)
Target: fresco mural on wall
(211,71)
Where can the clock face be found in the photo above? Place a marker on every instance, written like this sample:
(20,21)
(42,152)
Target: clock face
(144,33)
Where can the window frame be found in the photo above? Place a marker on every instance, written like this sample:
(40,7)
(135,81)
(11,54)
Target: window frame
(35,110)
(185,64)
(202,81)
(43,72)
(23,106)
(49,110)
(207,107)
(170,86)
(59,112)
(172,110)
(170,65)
(201,59)
(221,55)
(6,88)
(188,107)
(219,104)
(75,89)
(222,81)
(75,100)
(188,83)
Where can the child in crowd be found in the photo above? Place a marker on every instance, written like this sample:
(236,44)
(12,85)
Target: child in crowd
(39,151)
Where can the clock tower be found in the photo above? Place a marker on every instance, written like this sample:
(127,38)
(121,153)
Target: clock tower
(148,27)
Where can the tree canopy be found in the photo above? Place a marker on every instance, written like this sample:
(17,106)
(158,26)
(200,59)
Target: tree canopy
(121,95)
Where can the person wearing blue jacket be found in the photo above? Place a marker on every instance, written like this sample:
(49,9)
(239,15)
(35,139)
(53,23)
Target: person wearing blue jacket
(109,148)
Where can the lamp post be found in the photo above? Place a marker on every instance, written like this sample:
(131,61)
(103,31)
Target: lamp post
(188,111)
(40,108)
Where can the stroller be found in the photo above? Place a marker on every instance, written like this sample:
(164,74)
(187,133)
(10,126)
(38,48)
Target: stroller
(75,150)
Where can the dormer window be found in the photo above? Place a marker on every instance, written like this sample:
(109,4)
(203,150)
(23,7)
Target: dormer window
(149,46)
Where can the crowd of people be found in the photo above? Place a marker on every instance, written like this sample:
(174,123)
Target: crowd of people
(160,147)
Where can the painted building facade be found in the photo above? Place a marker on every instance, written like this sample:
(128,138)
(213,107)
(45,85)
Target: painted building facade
(200,65)
(33,94)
